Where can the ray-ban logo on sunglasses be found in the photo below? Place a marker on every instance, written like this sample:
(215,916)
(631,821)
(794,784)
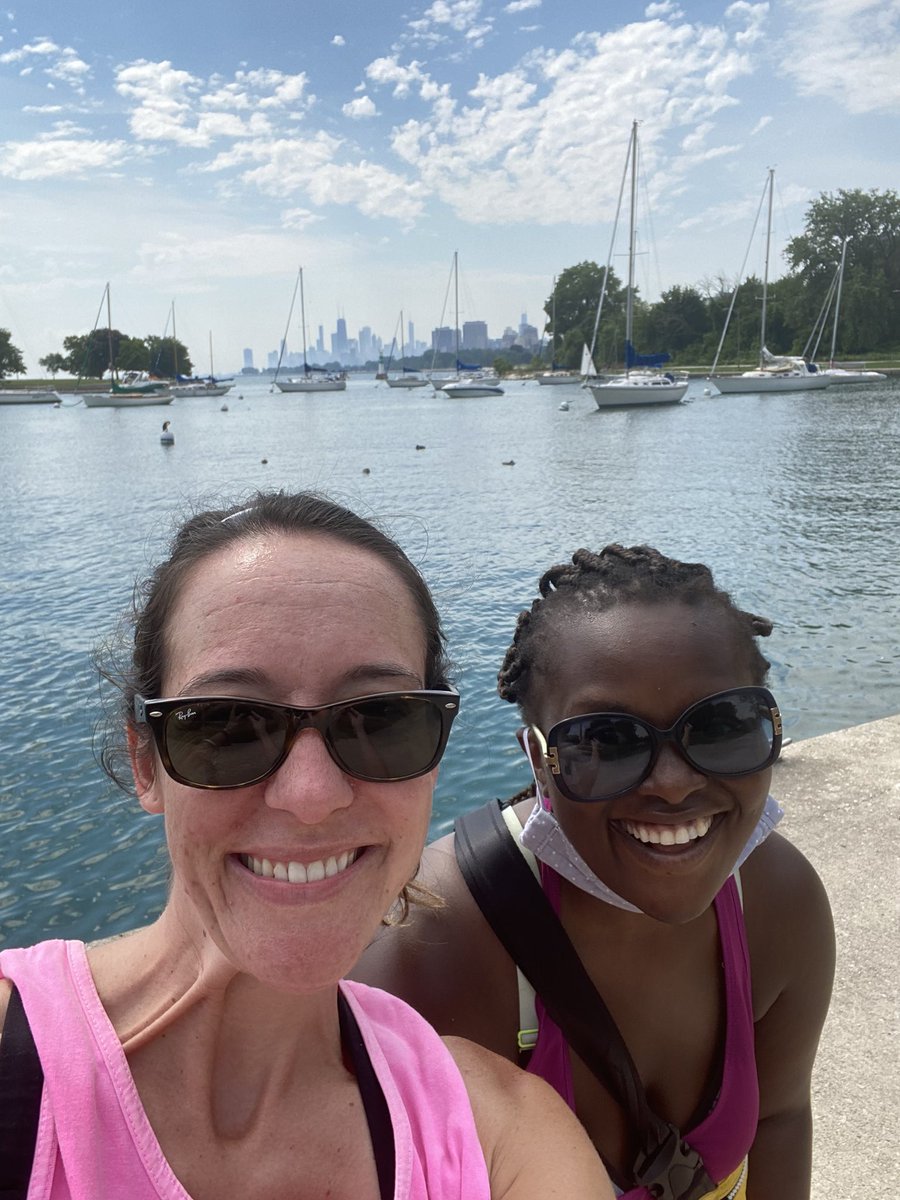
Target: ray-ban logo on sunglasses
(186,714)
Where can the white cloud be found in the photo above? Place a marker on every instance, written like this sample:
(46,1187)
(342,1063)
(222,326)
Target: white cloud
(753,16)
(361,107)
(760,125)
(527,141)
(299,218)
(338,40)
(61,157)
(856,58)
(60,63)
(517,6)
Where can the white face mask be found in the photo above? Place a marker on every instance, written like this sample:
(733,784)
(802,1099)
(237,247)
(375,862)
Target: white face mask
(544,837)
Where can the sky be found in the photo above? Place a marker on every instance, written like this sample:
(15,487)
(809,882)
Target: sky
(199,153)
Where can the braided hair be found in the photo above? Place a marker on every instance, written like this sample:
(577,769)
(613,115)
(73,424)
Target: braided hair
(598,582)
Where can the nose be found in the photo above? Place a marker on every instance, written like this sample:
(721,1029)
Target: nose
(672,778)
(309,783)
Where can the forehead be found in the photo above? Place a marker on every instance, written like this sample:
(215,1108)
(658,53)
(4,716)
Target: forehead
(287,594)
(683,651)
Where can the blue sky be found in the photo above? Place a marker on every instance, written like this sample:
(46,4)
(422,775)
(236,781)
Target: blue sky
(201,152)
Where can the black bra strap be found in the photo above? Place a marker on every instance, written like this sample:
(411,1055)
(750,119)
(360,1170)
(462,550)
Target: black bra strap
(21,1084)
(375,1106)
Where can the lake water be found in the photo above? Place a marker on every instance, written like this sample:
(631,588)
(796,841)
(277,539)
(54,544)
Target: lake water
(792,500)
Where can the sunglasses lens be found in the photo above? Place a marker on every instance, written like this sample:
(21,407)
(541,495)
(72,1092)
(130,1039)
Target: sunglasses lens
(601,755)
(224,743)
(389,738)
(731,734)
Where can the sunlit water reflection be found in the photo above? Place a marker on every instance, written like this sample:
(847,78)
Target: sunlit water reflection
(792,500)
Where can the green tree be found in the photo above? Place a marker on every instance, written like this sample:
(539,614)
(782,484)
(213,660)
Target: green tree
(167,357)
(577,294)
(54,363)
(870,304)
(88,354)
(502,366)
(678,323)
(11,361)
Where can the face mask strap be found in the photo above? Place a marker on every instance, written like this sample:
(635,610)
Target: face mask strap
(525,743)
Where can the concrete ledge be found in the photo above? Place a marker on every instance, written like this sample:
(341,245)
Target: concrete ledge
(841,795)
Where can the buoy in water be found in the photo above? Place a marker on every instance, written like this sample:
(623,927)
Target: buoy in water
(167,437)
(564,407)
(224,408)
(707,392)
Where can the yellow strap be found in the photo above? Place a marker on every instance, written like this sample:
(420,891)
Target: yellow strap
(732,1188)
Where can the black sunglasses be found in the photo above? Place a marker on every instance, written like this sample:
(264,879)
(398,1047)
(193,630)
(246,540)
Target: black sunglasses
(231,742)
(601,755)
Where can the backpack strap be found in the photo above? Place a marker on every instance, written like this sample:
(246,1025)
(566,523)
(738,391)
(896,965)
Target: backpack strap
(514,905)
(21,1085)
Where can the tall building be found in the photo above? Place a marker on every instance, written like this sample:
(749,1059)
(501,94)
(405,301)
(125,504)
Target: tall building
(248,359)
(339,341)
(320,340)
(475,335)
(443,340)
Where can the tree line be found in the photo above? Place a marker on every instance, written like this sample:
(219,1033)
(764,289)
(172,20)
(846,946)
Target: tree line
(686,321)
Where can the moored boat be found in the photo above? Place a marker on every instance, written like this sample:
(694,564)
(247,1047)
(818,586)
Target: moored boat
(28,396)
(643,382)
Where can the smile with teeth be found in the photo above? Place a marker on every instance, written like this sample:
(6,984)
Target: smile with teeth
(669,835)
(297,872)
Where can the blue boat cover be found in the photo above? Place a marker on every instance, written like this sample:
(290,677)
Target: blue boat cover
(633,359)
(461,366)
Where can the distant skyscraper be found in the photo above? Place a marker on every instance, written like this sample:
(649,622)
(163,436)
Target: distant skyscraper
(443,340)
(320,340)
(410,337)
(248,358)
(475,335)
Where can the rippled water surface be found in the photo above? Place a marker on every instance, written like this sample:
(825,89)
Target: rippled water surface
(793,501)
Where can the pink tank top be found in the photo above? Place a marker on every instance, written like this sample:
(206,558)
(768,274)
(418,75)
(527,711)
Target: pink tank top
(94,1140)
(724,1137)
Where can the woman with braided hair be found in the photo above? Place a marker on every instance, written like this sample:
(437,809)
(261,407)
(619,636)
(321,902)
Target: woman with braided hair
(682,952)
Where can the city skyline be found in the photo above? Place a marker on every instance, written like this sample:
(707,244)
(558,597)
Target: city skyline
(203,157)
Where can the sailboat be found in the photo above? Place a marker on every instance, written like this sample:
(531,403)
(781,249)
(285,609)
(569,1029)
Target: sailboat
(132,390)
(187,388)
(315,379)
(409,378)
(478,383)
(775,373)
(648,384)
(557,375)
(855,374)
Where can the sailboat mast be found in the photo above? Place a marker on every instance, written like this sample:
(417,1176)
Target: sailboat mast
(629,303)
(212,373)
(174,344)
(765,293)
(109,340)
(456,302)
(837,301)
(402,351)
(303,323)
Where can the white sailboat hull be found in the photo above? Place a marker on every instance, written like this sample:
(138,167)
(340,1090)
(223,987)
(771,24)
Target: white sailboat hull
(22,397)
(633,391)
(118,400)
(311,385)
(463,390)
(837,375)
(764,381)
(185,391)
(556,378)
(411,381)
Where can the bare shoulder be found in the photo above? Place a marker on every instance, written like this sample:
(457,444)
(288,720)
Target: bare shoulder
(533,1144)
(445,961)
(790,930)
